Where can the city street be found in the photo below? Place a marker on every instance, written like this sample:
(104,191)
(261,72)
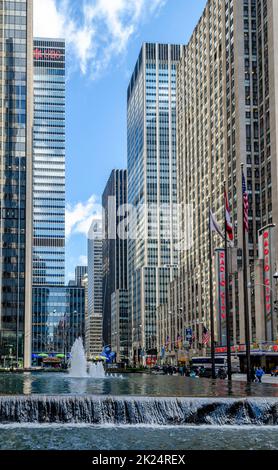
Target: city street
(266,378)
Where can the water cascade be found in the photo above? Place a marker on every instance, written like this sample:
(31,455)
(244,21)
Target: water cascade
(138,410)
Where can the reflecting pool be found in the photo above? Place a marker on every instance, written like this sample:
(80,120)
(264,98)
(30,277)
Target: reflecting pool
(129,385)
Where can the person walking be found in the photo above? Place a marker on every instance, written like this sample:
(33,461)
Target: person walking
(259,374)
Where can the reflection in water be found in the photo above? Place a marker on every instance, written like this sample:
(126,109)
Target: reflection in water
(130,384)
(27,384)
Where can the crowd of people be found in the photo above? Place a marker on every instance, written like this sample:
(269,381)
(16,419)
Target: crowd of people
(257,373)
(187,371)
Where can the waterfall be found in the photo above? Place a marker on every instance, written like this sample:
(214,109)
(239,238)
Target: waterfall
(138,410)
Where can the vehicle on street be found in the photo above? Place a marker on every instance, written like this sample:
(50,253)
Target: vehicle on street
(220,362)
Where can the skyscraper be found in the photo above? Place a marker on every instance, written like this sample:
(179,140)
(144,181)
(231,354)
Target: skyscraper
(152,185)
(227,115)
(94,317)
(16,75)
(50,297)
(49,162)
(113,247)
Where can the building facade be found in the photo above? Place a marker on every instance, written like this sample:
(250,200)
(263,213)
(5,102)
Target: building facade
(49,162)
(114,248)
(16,75)
(120,332)
(50,319)
(50,326)
(227,116)
(152,186)
(94,317)
(75,314)
(80,272)
(58,318)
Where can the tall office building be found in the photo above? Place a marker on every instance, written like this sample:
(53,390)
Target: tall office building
(49,162)
(227,92)
(16,75)
(152,186)
(50,302)
(114,248)
(94,317)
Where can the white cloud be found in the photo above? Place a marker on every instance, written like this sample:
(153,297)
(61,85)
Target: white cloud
(82,260)
(48,22)
(79,216)
(97,31)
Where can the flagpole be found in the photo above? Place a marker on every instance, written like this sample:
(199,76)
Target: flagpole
(212,339)
(228,336)
(245,289)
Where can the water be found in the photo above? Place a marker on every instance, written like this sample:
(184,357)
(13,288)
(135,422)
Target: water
(97,371)
(104,410)
(78,363)
(78,437)
(80,368)
(129,384)
(137,411)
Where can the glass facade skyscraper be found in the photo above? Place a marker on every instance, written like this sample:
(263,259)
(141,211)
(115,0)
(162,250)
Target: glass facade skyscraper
(114,249)
(49,162)
(152,185)
(51,303)
(15,180)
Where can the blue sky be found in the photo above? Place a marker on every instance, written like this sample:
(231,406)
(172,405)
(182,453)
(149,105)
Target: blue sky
(104,38)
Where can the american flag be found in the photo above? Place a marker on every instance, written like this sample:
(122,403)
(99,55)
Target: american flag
(245,204)
(206,336)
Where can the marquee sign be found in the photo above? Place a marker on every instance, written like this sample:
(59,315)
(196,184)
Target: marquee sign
(266,254)
(221,295)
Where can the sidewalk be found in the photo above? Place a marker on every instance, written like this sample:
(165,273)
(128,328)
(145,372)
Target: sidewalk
(267,379)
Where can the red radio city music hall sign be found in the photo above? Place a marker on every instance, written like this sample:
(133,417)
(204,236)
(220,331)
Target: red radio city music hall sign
(267,272)
(47,54)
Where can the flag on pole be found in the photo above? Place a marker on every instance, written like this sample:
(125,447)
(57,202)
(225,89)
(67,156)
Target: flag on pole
(229,227)
(206,336)
(214,226)
(245,204)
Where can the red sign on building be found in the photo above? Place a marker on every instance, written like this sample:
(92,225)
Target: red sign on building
(221,294)
(47,54)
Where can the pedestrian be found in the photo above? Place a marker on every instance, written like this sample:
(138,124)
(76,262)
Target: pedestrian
(170,370)
(181,371)
(184,370)
(259,374)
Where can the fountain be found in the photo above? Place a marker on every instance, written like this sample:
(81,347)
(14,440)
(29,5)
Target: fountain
(79,367)
(96,370)
(78,363)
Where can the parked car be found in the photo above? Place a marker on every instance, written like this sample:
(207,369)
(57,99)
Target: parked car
(274,372)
